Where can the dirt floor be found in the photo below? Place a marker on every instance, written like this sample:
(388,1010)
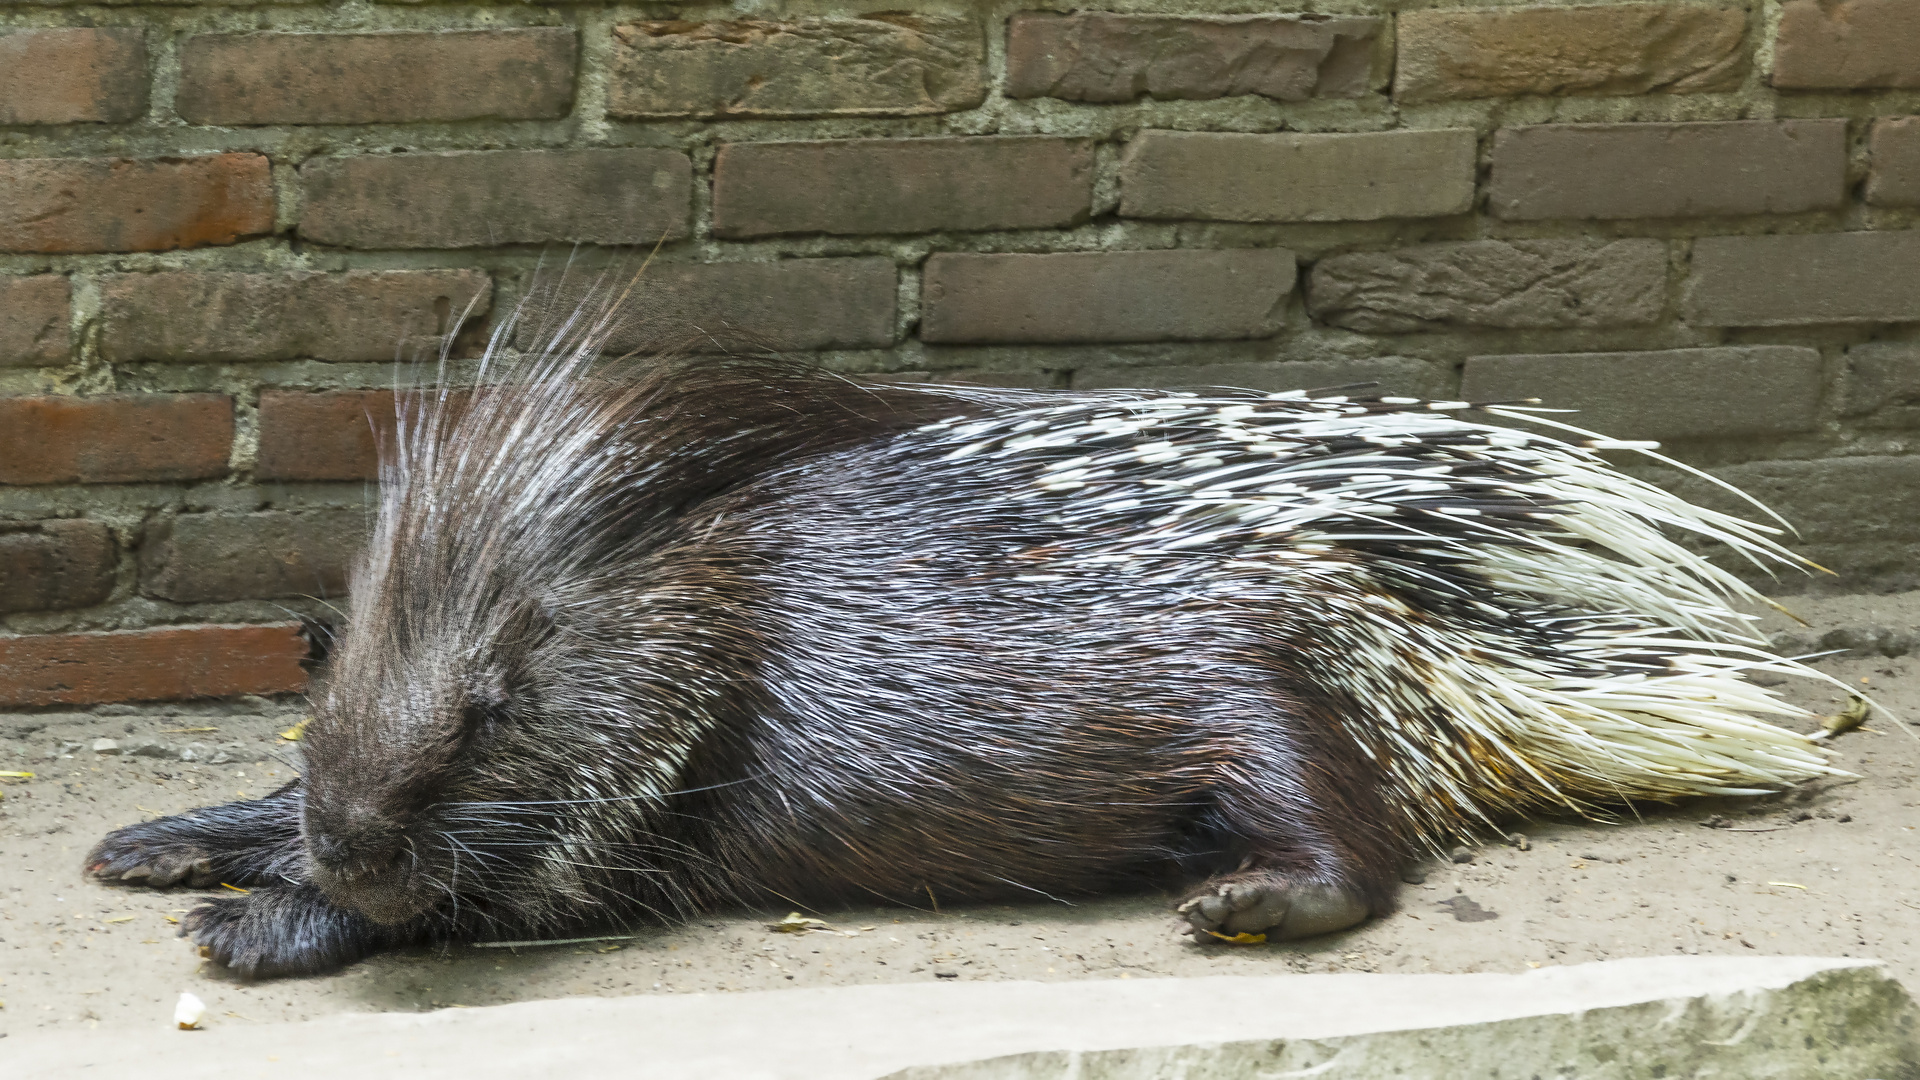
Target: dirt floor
(1827,870)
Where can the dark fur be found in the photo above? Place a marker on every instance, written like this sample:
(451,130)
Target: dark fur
(826,630)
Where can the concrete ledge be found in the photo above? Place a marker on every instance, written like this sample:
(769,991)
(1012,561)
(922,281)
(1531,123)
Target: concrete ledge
(1760,1019)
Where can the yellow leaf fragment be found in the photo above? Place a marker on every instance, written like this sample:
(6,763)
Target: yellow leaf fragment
(294,733)
(16,775)
(235,888)
(118,918)
(796,923)
(1240,939)
(1788,885)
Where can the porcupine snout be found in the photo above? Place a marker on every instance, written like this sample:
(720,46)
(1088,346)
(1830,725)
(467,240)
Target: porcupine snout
(360,857)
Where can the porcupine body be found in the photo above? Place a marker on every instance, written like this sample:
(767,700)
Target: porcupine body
(634,641)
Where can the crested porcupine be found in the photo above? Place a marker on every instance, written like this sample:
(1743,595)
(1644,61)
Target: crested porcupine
(634,640)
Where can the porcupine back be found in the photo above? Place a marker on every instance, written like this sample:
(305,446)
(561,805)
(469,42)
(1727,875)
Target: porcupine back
(694,574)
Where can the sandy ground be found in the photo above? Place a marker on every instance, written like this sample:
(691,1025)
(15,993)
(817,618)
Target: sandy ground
(1825,870)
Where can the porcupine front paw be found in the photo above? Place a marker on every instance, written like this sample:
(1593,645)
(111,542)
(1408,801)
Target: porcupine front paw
(1271,903)
(282,930)
(151,853)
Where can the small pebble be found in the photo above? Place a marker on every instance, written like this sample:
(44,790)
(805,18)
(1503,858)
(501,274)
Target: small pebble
(1520,841)
(105,746)
(946,974)
(1461,855)
(1414,875)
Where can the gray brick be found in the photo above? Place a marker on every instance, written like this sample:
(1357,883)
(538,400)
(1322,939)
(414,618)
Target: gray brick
(896,64)
(525,73)
(360,315)
(1857,516)
(1673,394)
(1894,179)
(1401,375)
(50,565)
(205,557)
(1847,45)
(1005,380)
(1519,284)
(1880,387)
(789,304)
(1858,277)
(859,186)
(1182,295)
(483,199)
(1668,170)
(1108,57)
(1346,177)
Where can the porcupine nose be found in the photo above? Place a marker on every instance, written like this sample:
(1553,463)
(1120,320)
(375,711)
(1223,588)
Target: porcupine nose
(359,860)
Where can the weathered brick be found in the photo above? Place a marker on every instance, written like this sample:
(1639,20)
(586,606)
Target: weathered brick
(1668,170)
(1894,179)
(1847,45)
(1346,177)
(334,435)
(1101,56)
(203,557)
(1880,388)
(1180,295)
(379,78)
(221,317)
(151,665)
(33,320)
(1857,277)
(73,76)
(893,64)
(1005,380)
(82,205)
(1518,284)
(1390,374)
(1619,49)
(624,196)
(1672,394)
(47,565)
(115,438)
(1857,516)
(901,185)
(790,304)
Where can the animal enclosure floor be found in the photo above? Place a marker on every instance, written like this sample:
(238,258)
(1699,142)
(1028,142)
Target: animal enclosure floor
(1826,870)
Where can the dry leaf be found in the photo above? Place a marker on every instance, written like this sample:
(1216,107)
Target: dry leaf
(1240,939)
(796,923)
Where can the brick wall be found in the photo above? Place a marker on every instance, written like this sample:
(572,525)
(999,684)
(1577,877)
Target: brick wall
(1697,221)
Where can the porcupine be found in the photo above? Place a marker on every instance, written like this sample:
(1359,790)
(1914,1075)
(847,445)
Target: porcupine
(633,640)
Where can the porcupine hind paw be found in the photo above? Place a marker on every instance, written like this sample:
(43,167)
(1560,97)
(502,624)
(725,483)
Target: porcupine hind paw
(1270,903)
(282,930)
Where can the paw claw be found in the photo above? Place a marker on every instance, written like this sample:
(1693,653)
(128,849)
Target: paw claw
(1272,904)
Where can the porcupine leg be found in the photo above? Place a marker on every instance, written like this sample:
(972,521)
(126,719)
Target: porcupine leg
(239,843)
(1317,852)
(289,930)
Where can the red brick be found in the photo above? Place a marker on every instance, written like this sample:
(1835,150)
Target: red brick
(1856,277)
(73,76)
(114,439)
(380,78)
(893,64)
(1668,170)
(360,315)
(1106,57)
(48,565)
(789,304)
(624,196)
(856,186)
(1895,176)
(334,435)
(1847,45)
(1181,295)
(151,665)
(196,558)
(1360,176)
(83,205)
(33,320)
(1611,50)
